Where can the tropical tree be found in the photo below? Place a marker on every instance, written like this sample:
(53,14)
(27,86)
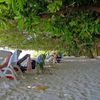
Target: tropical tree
(70,24)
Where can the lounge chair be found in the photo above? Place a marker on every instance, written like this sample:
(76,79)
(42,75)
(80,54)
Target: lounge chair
(8,71)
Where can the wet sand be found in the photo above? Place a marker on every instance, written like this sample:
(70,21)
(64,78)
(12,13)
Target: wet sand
(70,80)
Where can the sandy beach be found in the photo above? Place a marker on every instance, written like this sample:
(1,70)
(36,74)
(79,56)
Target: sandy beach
(70,80)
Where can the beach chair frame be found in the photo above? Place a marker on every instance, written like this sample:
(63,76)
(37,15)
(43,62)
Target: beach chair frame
(9,68)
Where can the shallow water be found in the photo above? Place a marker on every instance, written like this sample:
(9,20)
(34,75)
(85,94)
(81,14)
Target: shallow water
(66,81)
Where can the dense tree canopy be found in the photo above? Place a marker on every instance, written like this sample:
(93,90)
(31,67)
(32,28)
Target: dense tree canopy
(69,24)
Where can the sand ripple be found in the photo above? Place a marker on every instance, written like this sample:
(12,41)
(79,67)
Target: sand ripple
(68,81)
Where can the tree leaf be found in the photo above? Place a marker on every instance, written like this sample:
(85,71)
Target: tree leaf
(20,24)
(14,6)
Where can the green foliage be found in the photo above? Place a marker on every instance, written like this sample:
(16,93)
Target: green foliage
(82,29)
(80,2)
(20,23)
(72,31)
(54,6)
